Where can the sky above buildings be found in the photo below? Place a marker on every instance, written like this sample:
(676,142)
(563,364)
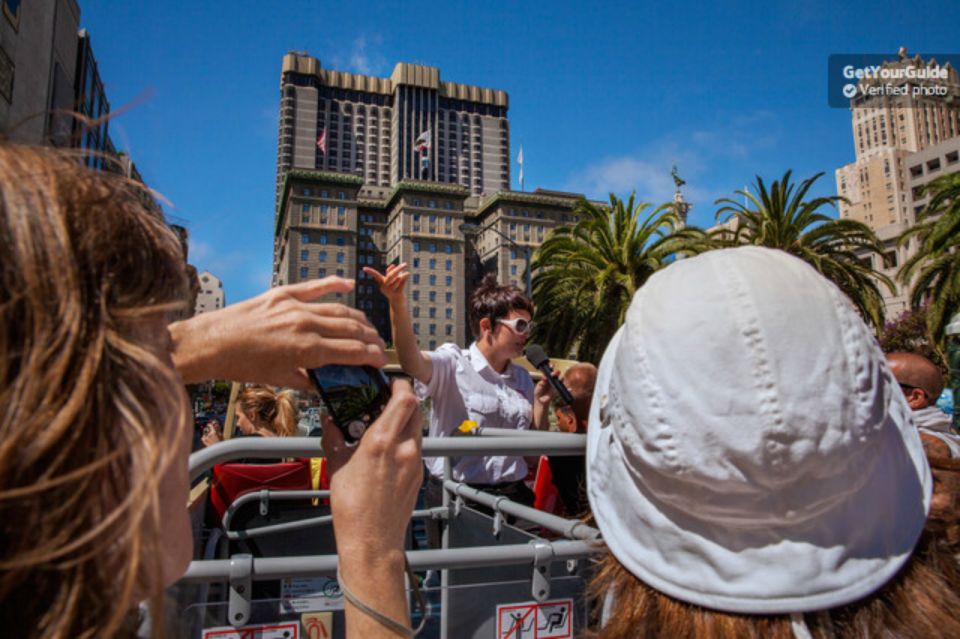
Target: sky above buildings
(604,96)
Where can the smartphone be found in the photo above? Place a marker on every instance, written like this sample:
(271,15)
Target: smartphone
(353,395)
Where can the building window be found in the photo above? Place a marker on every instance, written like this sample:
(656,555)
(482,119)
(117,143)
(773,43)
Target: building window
(448,249)
(305,238)
(416,328)
(322,256)
(322,272)
(341,195)
(416,311)
(432,247)
(448,205)
(416,278)
(432,204)
(449,265)
(433,280)
(416,296)
(449,313)
(433,329)
(339,258)
(303,272)
(416,262)
(323,238)
(433,345)
(513,269)
(304,255)
(449,297)
(416,202)
(449,330)
(323,208)
(324,193)
(433,264)
(449,280)
(433,312)
(340,241)
(416,247)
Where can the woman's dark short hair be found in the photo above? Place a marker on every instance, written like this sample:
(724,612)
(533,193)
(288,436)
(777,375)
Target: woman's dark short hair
(495,301)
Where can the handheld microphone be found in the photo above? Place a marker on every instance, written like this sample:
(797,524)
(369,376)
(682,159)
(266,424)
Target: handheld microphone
(536,356)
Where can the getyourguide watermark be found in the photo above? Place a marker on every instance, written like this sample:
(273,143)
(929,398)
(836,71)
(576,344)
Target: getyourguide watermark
(855,78)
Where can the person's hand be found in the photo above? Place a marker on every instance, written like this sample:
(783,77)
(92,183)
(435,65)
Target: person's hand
(392,282)
(373,489)
(211,433)
(544,392)
(273,337)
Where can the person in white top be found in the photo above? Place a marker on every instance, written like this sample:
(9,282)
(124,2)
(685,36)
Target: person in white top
(478,384)
(921,383)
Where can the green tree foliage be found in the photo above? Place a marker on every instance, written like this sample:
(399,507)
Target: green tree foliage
(586,274)
(780,217)
(935,268)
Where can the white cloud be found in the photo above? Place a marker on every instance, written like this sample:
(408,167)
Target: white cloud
(647,171)
(363,56)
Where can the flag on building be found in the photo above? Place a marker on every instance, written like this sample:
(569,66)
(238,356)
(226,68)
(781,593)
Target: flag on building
(520,163)
(423,142)
(322,141)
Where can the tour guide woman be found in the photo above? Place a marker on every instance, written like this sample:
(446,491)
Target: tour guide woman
(478,383)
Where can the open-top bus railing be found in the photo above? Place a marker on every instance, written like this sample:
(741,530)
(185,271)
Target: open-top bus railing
(580,540)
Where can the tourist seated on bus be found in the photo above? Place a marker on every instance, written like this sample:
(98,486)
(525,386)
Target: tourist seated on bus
(96,423)
(262,412)
(753,467)
(569,471)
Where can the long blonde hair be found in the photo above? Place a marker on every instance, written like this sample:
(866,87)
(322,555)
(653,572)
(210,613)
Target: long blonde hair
(268,409)
(87,279)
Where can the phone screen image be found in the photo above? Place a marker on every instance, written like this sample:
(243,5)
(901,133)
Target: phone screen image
(353,395)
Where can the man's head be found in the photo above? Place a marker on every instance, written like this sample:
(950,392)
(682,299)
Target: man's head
(579,380)
(919,378)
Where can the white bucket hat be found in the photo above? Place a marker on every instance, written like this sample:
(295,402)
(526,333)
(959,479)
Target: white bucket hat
(748,448)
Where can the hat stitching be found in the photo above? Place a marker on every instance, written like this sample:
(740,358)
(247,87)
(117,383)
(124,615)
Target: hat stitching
(853,341)
(745,314)
(663,435)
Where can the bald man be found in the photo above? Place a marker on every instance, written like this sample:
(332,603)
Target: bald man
(922,384)
(569,473)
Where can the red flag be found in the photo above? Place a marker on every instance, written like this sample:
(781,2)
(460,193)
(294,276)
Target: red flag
(322,141)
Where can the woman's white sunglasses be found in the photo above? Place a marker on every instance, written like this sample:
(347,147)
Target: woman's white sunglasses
(518,325)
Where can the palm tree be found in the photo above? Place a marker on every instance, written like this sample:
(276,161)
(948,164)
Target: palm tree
(841,250)
(936,265)
(587,274)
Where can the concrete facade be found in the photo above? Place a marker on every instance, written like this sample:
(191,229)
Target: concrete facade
(370,126)
(38,60)
(894,138)
(418,223)
(211,296)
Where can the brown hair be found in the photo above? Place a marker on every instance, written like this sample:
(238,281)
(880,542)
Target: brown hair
(495,301)
(921,601)
(87,279)
(267,409)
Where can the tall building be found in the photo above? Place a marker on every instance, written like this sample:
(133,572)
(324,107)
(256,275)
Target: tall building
(332,224)
(210,297)
(90,131)
(353,190)
(38,62)
(889,131)
(372,127)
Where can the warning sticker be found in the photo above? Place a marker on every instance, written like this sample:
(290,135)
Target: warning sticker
(290,630)
(532,620)
(310,594)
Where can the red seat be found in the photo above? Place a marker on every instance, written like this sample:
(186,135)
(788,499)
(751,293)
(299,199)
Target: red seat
(233,480)
(546,496)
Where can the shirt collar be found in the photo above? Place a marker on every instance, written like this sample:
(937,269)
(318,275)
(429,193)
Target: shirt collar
(477,358)
(479,362)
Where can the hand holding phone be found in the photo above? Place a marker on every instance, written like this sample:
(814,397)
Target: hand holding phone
(354,396)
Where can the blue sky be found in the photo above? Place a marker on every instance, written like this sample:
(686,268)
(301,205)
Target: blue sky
(604,96)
